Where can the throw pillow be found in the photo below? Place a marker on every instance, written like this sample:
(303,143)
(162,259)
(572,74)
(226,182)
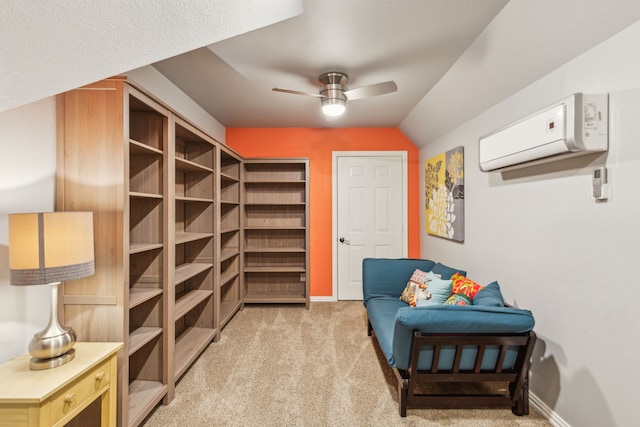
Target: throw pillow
(414,292)
(465,286)
(416,288)
(458,299)
(445,271)
(489,295)
(439,289)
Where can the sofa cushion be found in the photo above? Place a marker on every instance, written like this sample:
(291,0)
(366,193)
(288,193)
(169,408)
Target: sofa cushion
(489,295)
(381,313)
(440,289)
(466,319)
(446,272)
(387,277)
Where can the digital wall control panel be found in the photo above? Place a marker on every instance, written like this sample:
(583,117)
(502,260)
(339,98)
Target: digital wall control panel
(599,184)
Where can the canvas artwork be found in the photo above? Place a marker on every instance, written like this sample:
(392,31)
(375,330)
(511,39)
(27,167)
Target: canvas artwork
(444,194)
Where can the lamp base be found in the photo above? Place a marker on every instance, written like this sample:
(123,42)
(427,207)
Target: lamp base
(53,346)
(39,364)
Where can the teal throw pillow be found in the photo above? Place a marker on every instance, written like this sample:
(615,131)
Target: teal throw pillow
(489,295)
(440,290)
(445,271)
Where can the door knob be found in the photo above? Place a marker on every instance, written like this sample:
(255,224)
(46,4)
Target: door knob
(343,240)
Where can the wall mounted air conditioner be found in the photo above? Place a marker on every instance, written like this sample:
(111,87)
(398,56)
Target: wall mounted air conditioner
(573,126)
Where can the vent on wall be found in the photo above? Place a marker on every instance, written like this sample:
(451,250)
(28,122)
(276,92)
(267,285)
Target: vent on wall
(574,126)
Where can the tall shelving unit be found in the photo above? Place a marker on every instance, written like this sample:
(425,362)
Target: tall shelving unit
(112,159)
(276,231)
(229,232)
(194,246)
(186,231)
(147,297)
(151,179)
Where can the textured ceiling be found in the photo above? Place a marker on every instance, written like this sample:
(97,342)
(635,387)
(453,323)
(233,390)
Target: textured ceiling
(49,47)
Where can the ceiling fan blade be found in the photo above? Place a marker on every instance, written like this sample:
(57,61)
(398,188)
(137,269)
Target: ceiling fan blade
(371,90)
(297,92)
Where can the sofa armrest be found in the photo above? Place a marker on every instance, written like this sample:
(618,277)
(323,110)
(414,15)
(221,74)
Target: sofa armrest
(382,277)
(450,319)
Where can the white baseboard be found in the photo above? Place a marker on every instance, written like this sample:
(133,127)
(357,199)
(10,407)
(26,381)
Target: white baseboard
(323,299)
(548,413)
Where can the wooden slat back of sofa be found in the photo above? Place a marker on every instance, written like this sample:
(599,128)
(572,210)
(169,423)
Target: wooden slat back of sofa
(514,375)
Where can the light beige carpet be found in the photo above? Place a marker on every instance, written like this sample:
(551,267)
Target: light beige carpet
(287,366)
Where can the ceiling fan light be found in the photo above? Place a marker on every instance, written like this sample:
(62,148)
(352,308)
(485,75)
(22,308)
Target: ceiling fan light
(333,106)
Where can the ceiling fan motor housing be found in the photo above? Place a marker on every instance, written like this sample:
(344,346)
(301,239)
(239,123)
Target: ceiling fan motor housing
(334,78)
(334,85)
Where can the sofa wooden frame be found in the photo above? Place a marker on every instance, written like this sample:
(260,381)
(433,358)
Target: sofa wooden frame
(516,397)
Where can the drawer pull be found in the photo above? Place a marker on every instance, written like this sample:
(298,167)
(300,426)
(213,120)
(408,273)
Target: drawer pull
(69,400)
(99,378)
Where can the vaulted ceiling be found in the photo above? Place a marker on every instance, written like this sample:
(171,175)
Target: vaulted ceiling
(451,60)
(412,42)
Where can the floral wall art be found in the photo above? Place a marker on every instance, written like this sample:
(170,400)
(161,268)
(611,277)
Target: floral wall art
(444,194)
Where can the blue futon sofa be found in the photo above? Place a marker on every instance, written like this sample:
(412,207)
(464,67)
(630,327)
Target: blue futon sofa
(486,341)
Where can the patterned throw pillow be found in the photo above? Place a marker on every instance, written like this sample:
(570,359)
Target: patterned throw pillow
(464,286)
(458,299)
(416,288)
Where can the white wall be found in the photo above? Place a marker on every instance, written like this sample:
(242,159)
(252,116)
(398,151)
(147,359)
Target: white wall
(27,180)
(557,252)
(27,184)
(155,83)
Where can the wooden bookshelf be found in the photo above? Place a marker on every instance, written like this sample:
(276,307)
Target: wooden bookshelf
(229,255)
(275,228)
(194,291)
(113,160)
(186,232)
(150,177)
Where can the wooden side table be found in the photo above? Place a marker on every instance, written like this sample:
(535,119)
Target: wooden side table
(53,397)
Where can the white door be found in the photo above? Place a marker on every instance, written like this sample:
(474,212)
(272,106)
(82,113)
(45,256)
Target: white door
(370,216)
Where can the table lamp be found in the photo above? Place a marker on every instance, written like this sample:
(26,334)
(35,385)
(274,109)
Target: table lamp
(47,249)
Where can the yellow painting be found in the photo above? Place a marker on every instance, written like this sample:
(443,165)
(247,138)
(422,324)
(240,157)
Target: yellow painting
(444,194)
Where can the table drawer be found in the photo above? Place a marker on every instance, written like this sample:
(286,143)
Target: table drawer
(81,392)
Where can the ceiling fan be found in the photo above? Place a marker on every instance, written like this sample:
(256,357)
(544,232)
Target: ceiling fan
(334,92)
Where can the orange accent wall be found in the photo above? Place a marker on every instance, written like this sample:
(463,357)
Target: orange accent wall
(318,145)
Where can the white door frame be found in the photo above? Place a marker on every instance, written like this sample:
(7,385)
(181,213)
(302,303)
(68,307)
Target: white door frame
(334,204)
